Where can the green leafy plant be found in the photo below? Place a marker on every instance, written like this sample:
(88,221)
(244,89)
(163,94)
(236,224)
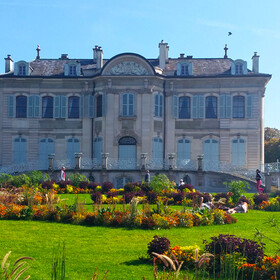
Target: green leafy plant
(160,183)
(77,178)
(17,270)
(237,188)
(37,177)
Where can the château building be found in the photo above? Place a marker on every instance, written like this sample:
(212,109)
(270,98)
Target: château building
(127,113)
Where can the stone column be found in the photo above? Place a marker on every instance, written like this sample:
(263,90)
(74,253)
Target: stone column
(78,158)
(144,161)
(51,158)
(105,160)
(171,161)
(199,162)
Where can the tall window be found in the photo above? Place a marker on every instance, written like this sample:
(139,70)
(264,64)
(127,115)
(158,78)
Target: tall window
(73,147)
(128,104)
(20,146)
(211,154)
(238,107)
(184,107)
(157,152)
(99,106)
(238,152)
(73,107)
(46,147)
(21,106)
(47,107)
(97,150)
(238,69)
(72,70)
(211,107)
(158,105)
(183,152)
(127,153)
(22,70)
(185,69)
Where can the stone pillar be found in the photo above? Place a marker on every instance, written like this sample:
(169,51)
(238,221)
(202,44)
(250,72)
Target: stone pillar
(144,161)
(78,158)
(51,158)
(171,161)
(105,160)
(268,182)
(199,162)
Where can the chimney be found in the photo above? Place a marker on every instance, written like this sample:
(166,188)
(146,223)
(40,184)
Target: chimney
(255,63)
(163,54)
(64,56)
(9,66)
(98,56)
(182,55)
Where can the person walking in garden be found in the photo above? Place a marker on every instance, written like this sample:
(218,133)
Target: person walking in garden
(62,174)
(259,181)
(148,176)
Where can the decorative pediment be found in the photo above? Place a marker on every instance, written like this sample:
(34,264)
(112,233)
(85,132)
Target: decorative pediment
(128,68)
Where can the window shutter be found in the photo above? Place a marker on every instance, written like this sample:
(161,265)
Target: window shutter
(160,105)
(66,69)
(155,105)
(30,109)
(82,102)
(232,68)
(222,107)
(78,69)
(249,104)
(244,66)
(63,106)
(37,106)
(11,106)
(91,106)
(175,106)
(228,108)
(190,68)
(195,107)
(104,97)
(201,107)
(179,67)
(57,107)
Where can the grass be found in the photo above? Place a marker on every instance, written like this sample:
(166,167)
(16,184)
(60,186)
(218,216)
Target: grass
(114,249)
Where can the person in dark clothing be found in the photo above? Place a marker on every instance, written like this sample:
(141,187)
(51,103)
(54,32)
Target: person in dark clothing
(259,181)
(148,176)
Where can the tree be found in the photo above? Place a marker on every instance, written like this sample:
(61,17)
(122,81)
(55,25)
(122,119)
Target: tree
(271,133)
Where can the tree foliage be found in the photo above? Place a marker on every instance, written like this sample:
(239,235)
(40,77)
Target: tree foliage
(271,133)
(272,144)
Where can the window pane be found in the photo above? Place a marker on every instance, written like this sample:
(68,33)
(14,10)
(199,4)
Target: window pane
(211,107)
(184,108)
(99,106)
(128,104)
(21,106)
(73,107)
(238,107)
(47,107)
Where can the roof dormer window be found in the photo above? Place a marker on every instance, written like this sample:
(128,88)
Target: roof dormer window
(184,68)
(238,67)
(72,70)
(21,68)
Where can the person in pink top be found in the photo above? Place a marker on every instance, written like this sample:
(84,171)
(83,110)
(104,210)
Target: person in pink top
(62,174)
(259,181)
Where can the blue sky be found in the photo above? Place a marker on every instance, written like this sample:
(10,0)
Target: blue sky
(198,27)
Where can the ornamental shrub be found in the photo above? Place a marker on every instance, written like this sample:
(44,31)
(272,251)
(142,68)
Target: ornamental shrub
(259,198)
(228,244)
(77,178)
(158,245)
(96,197)
(238,188)
(37,177)
(128,196)
(106,186)
(218,196)
(151,197)
(160,183)
(47,185)
(83,184)
(177,197)
(20,180)
(129,187)
(92,186)
(186,186)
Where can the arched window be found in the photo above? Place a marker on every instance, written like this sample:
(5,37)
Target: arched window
(128,105)
(97,150)
(157,152)
(46,147)
(73,147)
(184,107)
(211,154)
(238,110)
(183,152)
(21,106)
(238,152)
(47,107)
(127,153)
(20,150)
(73,107)
(211,107)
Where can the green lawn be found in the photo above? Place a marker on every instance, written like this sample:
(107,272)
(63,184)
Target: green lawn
(113,249)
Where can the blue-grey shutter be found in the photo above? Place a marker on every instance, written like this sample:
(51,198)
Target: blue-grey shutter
(91,106)
(160,105)
(30,107)
(82,103)
(195,107)
(201,107)
(249,106)
(232,68)
(57,107)
(104,101)
(20,150)
(78,69)
(16,69)
(190,68)
(97,149)
(63,101)
(175,107)
(66,69)
(11,106)
(222,106)
(156,108)
(179,67)
(244,68)
(37,106)
(228,106)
